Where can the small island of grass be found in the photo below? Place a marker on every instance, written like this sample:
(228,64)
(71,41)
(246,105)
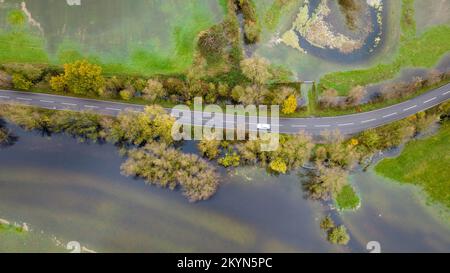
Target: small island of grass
(347,199)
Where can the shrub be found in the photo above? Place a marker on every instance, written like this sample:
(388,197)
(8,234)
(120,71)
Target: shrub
(231,159)
(290,105)
(20,82)
(257,70)
(278,166)
(153,91)
(81,78)
(209,148)
(5,80)
(339,236)
(126,94)
(166,167)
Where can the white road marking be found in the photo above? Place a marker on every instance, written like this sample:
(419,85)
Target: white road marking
(346,124)
(430,100)
(47,101)
(113,109)
(322,126)
(410,108)
(369,120)
(69,104)
(23,99)
(90,106)
(4,97)
(299,126)
(448,92)
(390,115)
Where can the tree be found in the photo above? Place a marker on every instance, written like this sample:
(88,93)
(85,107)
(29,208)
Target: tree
(209,148)
(141,128)
(252,31)
(231,159)
(153,91)
(253,95)
(211,43)
(290,105)
(278,166)
(81,78)
(256,69)
(338,236)
(237,92)
(167,167)
(327,183)
(294,150)
(279,95)
(327,223)
(329,98)
(5,80)
(356,95)
(126,94)
(20,82)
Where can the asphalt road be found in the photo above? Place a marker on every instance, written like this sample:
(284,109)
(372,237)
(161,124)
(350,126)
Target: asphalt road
(348,124)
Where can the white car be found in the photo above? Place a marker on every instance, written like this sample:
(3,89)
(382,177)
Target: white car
(262,126)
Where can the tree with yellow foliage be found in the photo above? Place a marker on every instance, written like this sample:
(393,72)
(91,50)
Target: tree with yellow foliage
(80,78)
(278,166)
(289,105)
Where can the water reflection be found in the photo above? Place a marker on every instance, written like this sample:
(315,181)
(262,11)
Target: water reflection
(76,193)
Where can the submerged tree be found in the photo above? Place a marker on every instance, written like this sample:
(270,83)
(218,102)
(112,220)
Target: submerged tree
(167,167)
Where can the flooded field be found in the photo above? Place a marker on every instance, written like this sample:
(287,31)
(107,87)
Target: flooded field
(136,36)
(75,192)
(315,62)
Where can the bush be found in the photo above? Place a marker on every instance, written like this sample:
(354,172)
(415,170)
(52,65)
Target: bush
(126,94)
(231,159)
(290,105)
(166,167)
(20,82)
(5,80)
(80,78)
(209,148)
(153,91)
(278,166)
(339,236)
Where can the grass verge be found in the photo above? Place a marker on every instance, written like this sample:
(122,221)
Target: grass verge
(423,163)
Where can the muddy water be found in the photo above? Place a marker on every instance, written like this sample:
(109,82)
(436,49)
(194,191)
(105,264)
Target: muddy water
(74,192)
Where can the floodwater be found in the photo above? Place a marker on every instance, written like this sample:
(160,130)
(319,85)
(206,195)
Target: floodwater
(317,61)
(75,192)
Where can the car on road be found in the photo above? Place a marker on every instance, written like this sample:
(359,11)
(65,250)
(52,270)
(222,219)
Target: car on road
(263,126)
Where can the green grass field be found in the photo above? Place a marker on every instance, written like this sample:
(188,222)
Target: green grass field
(424,163)
(140,38)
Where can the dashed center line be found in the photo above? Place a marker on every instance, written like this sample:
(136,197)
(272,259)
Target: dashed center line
(448,92)
(322,126)
(299,126)
(430,100)
(47,101)
(69,104)
(346,124)
(410,108)
(90,106)
(390,115)
(369,120)
(113,109)
(4,97)
(25,99)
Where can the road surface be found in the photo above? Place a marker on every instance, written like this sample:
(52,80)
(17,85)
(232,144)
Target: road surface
(348,124)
